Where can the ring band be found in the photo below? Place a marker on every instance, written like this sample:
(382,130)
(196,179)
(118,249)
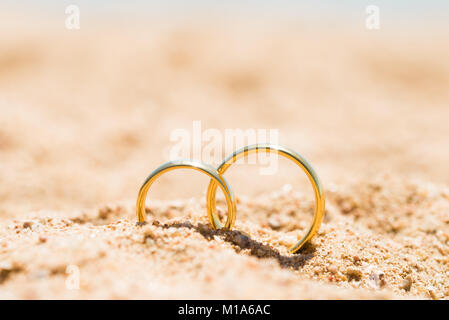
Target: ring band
(288,153)
(190,164)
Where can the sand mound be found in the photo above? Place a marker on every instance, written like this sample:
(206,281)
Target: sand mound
(366,248)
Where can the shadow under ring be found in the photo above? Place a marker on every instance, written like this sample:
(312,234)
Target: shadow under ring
(288,153)
(189,164)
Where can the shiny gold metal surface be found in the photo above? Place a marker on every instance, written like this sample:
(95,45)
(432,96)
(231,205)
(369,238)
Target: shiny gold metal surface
(288,153)
(189,164)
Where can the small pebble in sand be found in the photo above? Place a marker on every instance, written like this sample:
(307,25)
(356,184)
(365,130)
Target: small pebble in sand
(274,223)
(28,224)
(332,269)
(377,279)
(104,212)
(353,274)
(431,292)
(42,239)
(407,283)
(148,236)
(241,240)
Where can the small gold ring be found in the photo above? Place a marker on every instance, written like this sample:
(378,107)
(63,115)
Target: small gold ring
(288,153)
(191,164)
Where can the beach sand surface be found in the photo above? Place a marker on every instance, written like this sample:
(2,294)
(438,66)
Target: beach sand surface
(86,115)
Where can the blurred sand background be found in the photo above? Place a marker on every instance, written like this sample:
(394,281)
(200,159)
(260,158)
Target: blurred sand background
(86,115)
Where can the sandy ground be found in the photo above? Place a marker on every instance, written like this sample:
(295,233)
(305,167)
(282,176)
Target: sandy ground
(86,115)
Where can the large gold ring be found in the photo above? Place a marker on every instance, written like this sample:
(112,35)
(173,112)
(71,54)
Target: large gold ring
(288,153)
(191,164)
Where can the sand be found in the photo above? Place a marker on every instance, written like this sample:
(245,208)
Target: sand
(85,116)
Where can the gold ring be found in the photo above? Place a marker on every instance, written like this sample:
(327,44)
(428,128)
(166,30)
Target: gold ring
(191,164)
(288,153)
